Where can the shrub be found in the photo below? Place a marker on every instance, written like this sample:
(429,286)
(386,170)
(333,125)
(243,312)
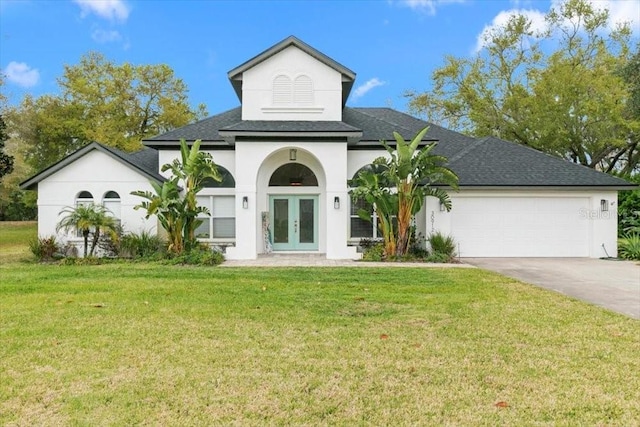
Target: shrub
(88,260)
(199,255)
(45,248)
(374,253)
(438,257)
(142,245)
(109,243)
(629,247)
(442,244)
(417,248)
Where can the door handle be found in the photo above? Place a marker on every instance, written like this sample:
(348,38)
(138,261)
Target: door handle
(295,226)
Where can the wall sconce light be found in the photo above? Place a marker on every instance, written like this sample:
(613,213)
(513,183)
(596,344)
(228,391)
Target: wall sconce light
(245,202)
(442,207)
(604,205)
(293,154)
(336,202)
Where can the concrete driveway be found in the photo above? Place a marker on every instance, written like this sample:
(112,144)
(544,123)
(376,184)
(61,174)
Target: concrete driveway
(611,284)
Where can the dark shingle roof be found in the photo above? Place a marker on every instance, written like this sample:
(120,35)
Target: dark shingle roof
(205,130)
(494,162)
(486,162)
(144,161)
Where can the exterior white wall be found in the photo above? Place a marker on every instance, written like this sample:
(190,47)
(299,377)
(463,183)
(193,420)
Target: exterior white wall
(360,158)
(585,214)
(257,85)
(97,173)
(224,158)
(256,161)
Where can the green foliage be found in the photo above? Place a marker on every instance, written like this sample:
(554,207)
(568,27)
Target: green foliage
(6,161)
(629,208)
(629,246)
(88,260)
(374,253)
(45,248)
(412,171)
(178,211)
(442,243)
(117,105)
(198,255)
(90,220)
(438,258)
(141,245)
(570,101)
(20,206)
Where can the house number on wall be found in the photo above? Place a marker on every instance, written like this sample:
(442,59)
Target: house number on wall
(433,220)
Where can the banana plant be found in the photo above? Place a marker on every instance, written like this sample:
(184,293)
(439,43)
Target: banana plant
(175,201)
(400,184)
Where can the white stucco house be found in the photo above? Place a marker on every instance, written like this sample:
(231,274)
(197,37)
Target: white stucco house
(289,149)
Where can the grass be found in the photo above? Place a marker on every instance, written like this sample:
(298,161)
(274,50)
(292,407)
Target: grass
(14,238)
(124,344)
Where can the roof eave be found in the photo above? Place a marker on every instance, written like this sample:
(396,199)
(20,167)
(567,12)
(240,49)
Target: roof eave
(32,182)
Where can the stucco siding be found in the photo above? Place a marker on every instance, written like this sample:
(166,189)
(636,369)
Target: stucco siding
(97,173)
(257,84)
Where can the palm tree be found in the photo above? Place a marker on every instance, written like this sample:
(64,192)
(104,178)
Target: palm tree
(87,219)
(102,223)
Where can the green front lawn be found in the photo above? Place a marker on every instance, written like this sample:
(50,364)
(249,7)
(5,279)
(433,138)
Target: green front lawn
(124,344)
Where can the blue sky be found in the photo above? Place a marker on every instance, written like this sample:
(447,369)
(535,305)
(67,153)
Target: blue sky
(392,45)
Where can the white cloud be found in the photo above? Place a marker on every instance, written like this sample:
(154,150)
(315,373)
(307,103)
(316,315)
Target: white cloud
(21,74)
(113,10)
(620,11)
(104,36)
(428,6)
(366,87)
(536,18)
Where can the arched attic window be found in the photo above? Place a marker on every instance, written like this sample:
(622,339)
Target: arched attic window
(303,90)
(84,198)
(282,90)
(227,180)
(293,174)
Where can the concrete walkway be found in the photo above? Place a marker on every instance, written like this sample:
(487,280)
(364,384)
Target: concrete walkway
(608,283)
(320,260)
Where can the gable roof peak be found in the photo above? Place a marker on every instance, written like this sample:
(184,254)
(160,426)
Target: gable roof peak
(348,76)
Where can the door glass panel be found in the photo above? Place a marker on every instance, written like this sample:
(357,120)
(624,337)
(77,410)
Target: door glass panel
(306,215)
(280,220)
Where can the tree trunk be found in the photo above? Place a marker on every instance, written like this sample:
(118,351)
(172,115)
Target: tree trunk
(85,234)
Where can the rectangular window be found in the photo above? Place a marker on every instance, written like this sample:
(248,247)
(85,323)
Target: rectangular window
(113,209)
(361,228)
(222,222)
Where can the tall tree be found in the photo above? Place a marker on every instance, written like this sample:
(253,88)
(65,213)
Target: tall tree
(117,105)
(6,161)
(558,90)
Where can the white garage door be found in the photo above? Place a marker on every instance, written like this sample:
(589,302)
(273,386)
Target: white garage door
(520,227)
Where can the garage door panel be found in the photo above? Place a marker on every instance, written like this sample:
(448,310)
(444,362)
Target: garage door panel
(520,226)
